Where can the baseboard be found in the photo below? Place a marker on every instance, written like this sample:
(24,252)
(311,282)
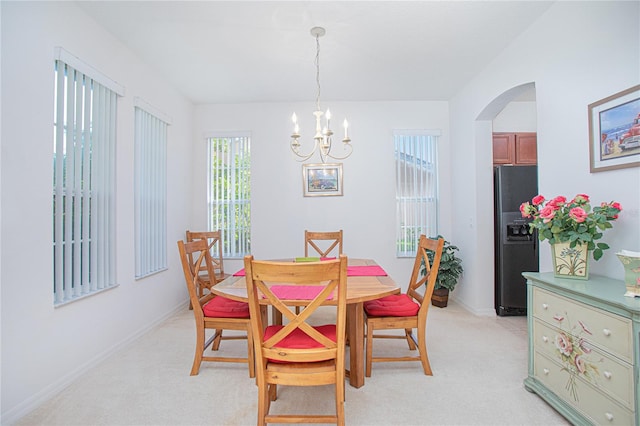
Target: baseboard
(33,402)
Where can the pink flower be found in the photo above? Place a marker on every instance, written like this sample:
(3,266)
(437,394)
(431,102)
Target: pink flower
(580,364)
(558,201)
(564,345)
(547,213)
(537,200)
(578,214)
(580,199)
(527,210)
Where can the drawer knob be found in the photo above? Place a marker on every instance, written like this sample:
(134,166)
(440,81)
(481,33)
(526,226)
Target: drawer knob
(545,306)
(545,339)
(606,332)
(545,371)
(607,374)
(609,416)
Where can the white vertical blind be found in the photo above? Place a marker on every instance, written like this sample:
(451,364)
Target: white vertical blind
(416,188)
(150,192)
(229,192)
(83,185)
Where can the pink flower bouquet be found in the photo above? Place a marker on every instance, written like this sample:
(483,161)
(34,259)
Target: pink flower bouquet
(560,221)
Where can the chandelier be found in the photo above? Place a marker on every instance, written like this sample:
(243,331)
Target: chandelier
(322,139)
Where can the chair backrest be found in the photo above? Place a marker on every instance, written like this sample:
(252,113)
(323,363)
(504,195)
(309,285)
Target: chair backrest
(196,260)
(430,269)
(327,279)
(330,241)
(214,244)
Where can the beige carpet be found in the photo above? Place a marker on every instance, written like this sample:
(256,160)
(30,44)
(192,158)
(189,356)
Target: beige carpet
(479,364)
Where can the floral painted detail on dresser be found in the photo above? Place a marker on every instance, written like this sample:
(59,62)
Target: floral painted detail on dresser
(574,352)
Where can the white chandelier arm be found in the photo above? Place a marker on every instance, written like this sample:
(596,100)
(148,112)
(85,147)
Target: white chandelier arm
(337,157)
(295,148)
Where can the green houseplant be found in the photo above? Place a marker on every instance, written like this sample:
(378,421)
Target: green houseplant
(448,274)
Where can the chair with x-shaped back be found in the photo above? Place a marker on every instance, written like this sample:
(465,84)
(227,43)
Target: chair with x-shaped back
(211,311)
(298,353)
(406,311)
(323,243)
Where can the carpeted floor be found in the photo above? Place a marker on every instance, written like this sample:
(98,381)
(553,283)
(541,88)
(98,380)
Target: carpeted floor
(479,364)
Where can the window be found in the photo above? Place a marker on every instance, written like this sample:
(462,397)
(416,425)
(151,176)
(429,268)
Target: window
(83,180)
(229,192)
(150,189)
(416,188)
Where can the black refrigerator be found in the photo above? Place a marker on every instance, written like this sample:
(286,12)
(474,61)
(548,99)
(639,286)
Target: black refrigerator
(516,249)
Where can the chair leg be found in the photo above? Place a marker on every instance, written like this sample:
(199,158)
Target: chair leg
(369,349)
(197,358)
(422,348)
(216,339)
(340,403)
(263,403)
(250,354)
(408,334)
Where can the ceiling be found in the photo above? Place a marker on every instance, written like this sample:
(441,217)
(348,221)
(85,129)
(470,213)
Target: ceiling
(262,51)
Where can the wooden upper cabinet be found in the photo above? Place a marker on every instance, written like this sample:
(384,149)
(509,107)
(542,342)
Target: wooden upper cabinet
(515,148)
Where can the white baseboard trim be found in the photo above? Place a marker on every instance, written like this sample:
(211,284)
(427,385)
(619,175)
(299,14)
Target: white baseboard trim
(33,402)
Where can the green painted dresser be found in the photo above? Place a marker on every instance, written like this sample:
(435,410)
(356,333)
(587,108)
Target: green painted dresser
(584,348)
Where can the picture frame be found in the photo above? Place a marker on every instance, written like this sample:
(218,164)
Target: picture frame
(614,131)
(322,180)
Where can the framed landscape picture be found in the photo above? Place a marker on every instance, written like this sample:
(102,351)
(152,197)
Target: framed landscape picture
(614,131)
(322,179)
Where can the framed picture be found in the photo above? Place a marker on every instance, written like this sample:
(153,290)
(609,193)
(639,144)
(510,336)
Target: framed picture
(614,131)
(321,179)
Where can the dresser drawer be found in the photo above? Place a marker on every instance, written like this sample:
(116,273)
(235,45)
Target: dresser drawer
(603,371)
(586,399)
(610,332)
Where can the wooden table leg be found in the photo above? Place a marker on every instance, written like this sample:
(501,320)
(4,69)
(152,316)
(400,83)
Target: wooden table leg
(355,323)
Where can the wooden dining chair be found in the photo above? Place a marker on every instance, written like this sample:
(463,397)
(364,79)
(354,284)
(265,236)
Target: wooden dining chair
(214,245)
(298,353)
(323,243)
(406,311)
(211,311)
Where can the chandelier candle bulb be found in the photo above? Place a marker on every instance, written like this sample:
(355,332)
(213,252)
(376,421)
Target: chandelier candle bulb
(346,126)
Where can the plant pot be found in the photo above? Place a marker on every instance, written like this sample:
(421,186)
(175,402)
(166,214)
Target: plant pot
(570,262)
(440,297)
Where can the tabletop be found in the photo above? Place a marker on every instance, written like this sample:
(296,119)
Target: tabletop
(359,288)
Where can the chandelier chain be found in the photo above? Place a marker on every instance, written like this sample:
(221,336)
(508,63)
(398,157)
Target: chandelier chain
(318,71)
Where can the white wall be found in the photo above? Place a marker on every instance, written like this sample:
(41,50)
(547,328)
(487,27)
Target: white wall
(516,117)
(366,211)
(44,348)
(576,53)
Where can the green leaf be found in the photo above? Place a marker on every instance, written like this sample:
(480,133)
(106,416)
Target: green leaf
(597,254)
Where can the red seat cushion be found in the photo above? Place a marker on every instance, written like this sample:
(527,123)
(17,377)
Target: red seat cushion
(298,339)
(396,305)
(221,307)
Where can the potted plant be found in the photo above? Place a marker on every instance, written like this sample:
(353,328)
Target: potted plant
(572,229)
(449,272)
